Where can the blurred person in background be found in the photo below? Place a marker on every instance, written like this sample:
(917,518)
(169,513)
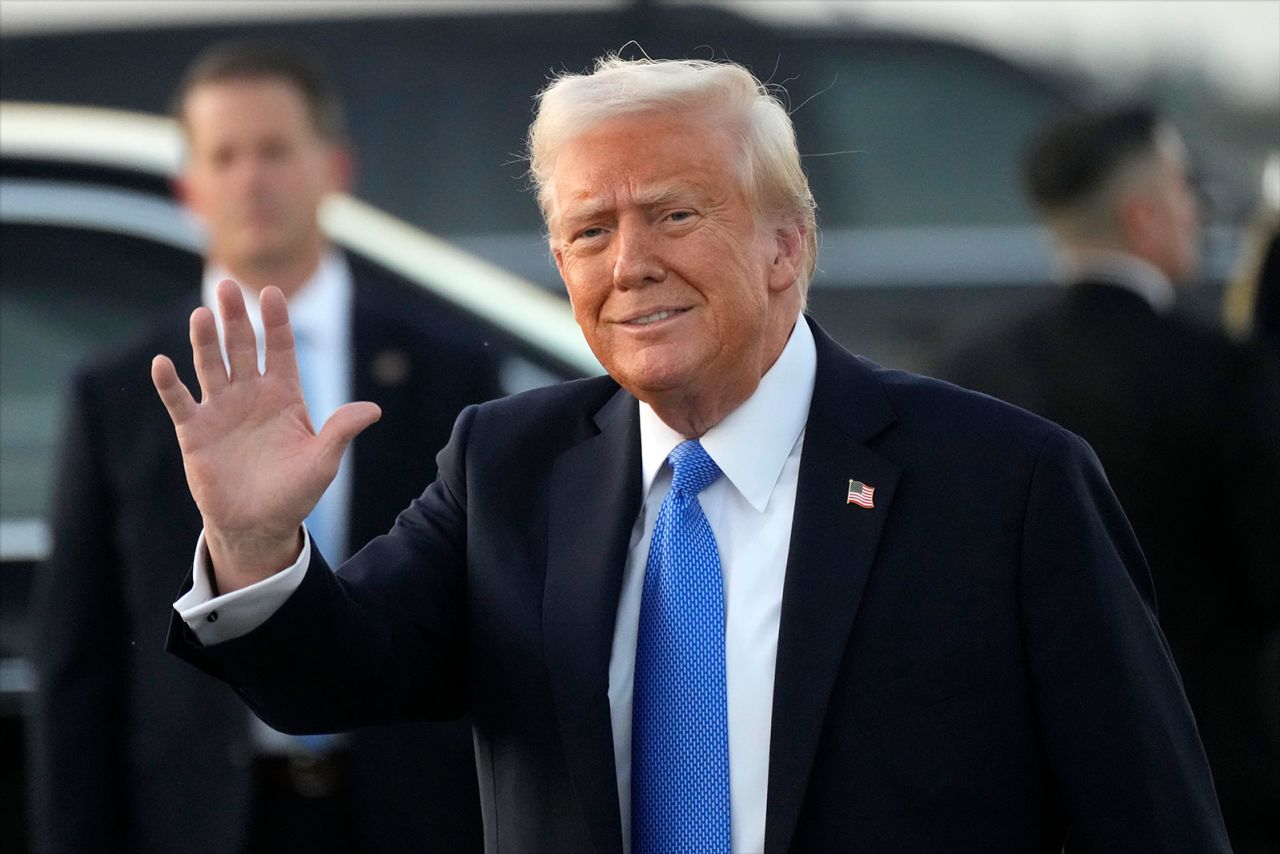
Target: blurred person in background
(1186,423)
(117,723)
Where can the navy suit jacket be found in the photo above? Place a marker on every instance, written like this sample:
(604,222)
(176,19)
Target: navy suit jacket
(971,665)
(1176,412)
(129,750)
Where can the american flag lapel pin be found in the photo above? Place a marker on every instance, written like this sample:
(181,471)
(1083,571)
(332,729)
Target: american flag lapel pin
(862,494)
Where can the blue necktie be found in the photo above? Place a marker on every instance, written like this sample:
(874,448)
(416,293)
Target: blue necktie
(680,719)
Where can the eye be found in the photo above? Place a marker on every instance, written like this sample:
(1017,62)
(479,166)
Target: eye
(589,233)
(681,217)
(221,158)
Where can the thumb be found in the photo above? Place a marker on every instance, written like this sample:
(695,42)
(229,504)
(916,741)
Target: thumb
(346,422)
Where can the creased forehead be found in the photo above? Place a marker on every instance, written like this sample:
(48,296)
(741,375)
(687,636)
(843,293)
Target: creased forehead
(588,202)
(692,156)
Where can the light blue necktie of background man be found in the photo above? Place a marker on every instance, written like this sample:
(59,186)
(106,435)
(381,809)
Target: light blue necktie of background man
(322,523)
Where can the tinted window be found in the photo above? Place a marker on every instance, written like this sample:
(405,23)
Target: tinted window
(64,294)
(935,135)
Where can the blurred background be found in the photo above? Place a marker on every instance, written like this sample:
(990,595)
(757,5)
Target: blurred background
(911,115)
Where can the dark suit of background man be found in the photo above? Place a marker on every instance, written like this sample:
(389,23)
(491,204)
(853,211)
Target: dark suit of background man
(131,753)
(898,616)
(1186,423)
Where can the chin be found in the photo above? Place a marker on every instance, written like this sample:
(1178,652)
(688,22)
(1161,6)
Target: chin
(649,384)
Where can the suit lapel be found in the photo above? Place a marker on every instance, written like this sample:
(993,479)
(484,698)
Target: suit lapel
(364,475)
(387,369)
(595,496)
(833,545)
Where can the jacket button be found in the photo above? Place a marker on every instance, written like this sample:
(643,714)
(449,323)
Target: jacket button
(213,617)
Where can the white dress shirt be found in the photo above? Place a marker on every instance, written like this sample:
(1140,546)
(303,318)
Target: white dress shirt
(749,508)
(1125,271)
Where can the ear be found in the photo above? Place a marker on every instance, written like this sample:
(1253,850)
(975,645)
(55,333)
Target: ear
(1135,223)
(342,168)
(788,246)
(185,193)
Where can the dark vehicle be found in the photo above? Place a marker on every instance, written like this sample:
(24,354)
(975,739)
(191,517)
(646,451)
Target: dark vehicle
(911,144)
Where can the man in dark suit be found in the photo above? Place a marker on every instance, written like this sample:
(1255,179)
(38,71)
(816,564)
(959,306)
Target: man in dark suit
(748,592)
(129,752)
(1186,423)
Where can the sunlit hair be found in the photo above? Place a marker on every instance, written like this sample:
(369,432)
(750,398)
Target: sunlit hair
(721,94)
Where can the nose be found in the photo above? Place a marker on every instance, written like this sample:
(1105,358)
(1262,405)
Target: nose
(251,173)
(636,260)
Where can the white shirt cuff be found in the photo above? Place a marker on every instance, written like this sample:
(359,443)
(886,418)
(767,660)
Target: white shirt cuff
(215,619)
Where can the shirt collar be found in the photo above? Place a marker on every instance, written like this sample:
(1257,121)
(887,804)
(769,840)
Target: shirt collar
(1126,271)
(752,444)
(319,310)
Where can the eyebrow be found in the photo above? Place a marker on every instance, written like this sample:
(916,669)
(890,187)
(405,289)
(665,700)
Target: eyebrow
(591,208)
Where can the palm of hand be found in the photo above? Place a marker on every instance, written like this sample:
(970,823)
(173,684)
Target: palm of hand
(254,464)
(251,455)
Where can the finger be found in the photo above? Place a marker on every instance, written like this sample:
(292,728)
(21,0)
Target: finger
(282,359)
(211,372)
(173,394)
(237,331)
(346,422)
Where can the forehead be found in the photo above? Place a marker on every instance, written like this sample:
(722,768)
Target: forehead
(224,109)
(643,158)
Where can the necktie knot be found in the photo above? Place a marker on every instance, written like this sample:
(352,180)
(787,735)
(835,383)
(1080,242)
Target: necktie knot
(692,469)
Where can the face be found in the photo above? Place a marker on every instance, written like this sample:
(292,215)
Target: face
(682,293)
(256,173)
(1171,225)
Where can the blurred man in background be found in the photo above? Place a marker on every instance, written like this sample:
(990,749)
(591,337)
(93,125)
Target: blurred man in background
(117,722)
(1186,424)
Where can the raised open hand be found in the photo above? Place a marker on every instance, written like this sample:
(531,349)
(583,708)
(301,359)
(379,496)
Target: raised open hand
(254,464)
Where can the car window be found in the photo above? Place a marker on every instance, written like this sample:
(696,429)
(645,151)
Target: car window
(66,293)
(918,137)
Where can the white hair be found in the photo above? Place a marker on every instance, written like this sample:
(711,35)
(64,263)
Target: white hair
(723,94)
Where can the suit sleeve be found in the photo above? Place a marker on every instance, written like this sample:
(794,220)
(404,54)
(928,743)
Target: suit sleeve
(380,641)
(1116,727)
(79,651)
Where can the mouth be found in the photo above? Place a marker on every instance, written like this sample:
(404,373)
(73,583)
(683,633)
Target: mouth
(654,317)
